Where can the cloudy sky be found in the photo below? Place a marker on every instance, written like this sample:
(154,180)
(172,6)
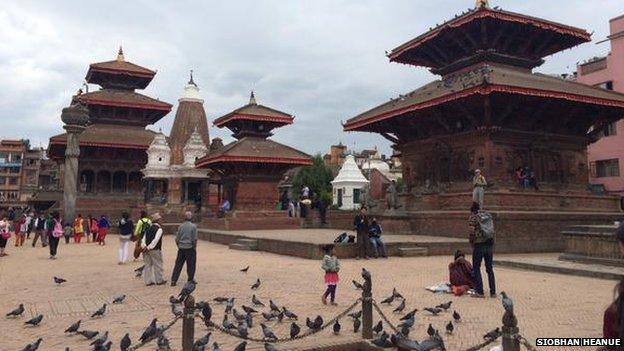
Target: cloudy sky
(321,60)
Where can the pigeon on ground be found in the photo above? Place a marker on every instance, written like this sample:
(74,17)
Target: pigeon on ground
(396,294)
(248,310)
(125,342)
(274,306)
(318,323)
(337,327)
(269,347)
(405,331)
(249,320)
(357,285)
(378,328)
(226,324)
(382,340)
(400,308)
(445,306)
(255,301)
(163,343)
(403,343)
(206,312)
(280,316)
(59,280)
(220,299)
(267,332)
(99,312)
(294,330)
(215,347)
(355,315)
(149,332)
(507,302)
(492,334)
(408,323)
(434,311)
(103,347)
(241,346)
(366,274)
(450,327)
(203,341)
(34,321)
(242,330)
(388,300)
(431,330)
(268,316)
(173,299)
(16,312)
(289,314)
(237,316)
(177,309)
(456,316)
(256,285)
(100,340)
(119,299)
(88,334)
(34,346)
(356,325)
(139,271)
(74,327)
(229,305)
(188,289)
(409,315)
(244,270)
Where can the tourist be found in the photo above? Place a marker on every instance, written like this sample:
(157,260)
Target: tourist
(102,230)
(331,266)
(29,224)
(305,192)
(479,185)
(532,180)
(152,254)
(40,230)
(460,274)
(93,228)
(68,232)
(140,228)
(186,240)
(55,230)
(20,231)
(78,228)
(224,208)
(613,319)
(292,211)
(521,177)
(482,242)
(126,229)
(361,224)
(5,235)
(374,233)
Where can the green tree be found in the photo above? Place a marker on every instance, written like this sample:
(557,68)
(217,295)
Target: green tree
(317,177)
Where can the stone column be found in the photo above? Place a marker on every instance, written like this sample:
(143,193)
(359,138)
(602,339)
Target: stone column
(75,118)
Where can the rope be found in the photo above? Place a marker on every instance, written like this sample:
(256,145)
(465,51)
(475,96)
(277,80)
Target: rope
(384,317)
(300,336)
(160,332)
(483,344)
(525,343)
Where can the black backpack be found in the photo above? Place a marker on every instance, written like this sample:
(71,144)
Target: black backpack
(341,239)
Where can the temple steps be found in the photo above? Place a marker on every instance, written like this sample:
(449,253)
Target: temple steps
(244,244)
(413,251)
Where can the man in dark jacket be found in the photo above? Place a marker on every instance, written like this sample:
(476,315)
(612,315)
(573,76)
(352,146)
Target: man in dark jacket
(152,254)
(482,250)
(361,224)
(186,239)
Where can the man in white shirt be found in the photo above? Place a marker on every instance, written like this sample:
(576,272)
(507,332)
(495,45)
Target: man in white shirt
(152,254)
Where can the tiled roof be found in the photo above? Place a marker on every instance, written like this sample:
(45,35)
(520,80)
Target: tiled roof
(255,112)
(256,150)
(109,135)
(121,67)
(123,98)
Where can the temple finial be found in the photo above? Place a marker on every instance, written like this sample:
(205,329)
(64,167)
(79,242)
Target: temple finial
(482,3)
(252,98)
(191,81)
(120,54)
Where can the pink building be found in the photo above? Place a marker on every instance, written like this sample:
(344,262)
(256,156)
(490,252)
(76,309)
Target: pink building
(606,156)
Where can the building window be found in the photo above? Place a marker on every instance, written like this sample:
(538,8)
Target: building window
(606,85)
(12,180)
(606,168)
(356,195)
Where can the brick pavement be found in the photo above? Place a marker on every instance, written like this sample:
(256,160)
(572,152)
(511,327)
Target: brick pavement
(546,304)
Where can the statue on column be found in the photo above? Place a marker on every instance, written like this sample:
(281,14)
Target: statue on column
(482,3)
(76,118)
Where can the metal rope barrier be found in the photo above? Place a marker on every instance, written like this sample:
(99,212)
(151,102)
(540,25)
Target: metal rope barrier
(525,343)
(483,344)
(384,317)
(301,336)
(160,332)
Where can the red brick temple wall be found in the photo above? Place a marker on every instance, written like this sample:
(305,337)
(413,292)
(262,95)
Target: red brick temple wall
(256,195)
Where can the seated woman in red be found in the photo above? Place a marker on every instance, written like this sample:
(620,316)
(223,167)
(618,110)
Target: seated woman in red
(460,274)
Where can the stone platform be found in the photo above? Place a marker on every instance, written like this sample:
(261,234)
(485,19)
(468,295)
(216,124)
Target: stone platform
(592,244)
(307,243)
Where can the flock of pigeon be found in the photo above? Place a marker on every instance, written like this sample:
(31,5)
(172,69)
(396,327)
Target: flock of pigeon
(240,322)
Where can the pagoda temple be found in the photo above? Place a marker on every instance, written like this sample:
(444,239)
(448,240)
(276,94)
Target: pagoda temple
(490,111)
(112,147)
(249,169)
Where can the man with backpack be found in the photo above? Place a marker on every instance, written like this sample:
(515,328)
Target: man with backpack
(141,227)
(482,241)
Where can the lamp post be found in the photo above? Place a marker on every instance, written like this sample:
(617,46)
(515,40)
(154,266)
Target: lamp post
(75,117)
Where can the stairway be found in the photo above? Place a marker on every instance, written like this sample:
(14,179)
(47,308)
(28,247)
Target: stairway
(244,244)
(413,251)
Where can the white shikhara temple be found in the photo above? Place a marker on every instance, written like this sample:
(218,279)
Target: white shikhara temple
(348,185)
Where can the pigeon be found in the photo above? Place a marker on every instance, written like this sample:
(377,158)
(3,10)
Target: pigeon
(119,299)
(449,327)
(445,306)
(99,312)
(248,310)
(280,316)
(237,316)
(188,289)
(358,286)
(267,332)
(405,331)
(388,300)
(34,346)
(103,347)
(125,342)
(163,343)
(150,331)
(294,330)
(268,316)
(381,341)
(337,327)
(241,346)
(274,306)
(215,347)
(177,309)
(355,315)
(88,334)
(35,321)
(206,312)
(139,271)
(289,314)
(100,340)
(492,334)
(16,312)
(249,321)
(318,323)
(173,299)
(408,323)
(229,305)
(400,308)
(201,342)
(220,299)
(366,274)
(255,301)
(59,280)
(256,285)
(431,330)
(404,343)
(242,330)
(74,327)
(356,325)
(456,316)
(227,324)
(269,347)
(434,311)
(244,270)
(378,328)
(409,315)
(396,294)
(507,302)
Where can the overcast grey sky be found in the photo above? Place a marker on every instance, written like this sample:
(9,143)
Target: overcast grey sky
(321,60)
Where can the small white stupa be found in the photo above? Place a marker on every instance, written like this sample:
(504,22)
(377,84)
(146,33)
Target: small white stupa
(348,185)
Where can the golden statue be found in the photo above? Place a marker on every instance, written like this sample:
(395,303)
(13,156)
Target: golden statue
(482,3)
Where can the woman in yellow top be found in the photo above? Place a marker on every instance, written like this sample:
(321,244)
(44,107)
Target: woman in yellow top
(78,228)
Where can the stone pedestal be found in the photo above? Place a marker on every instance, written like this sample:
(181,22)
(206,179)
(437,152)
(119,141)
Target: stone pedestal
(75,118)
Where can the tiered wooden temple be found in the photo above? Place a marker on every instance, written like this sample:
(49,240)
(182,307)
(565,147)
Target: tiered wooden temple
(489,111)
(249,169)
(112,148)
